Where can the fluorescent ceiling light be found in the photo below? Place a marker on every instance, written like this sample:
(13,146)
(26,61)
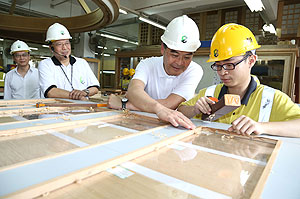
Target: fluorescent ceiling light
(44,57)
(113,37)
(269,28)
(133,42)
(45,46)
(96,53)
(152,23)
(115,50)
(1,39)
(255,5)
(31,48)
(123,11)
(106,55)
(118,38)
(102,47)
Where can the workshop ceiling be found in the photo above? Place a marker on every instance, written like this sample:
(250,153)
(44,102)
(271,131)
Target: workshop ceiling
(126,26)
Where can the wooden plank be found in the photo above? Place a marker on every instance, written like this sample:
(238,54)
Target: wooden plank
(223,175)
(262,181)
(86,133)
(117,146)
(30,101)
(55,183)
(49,110)
(93,105)
(19,150)
(15,128)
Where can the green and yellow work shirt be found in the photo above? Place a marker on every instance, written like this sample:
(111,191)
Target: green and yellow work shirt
(283,107)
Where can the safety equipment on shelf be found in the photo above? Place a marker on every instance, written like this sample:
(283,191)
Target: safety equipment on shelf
(131,72)
(125,71)
(57,32)
(19,46)
(231,40)
(182,34)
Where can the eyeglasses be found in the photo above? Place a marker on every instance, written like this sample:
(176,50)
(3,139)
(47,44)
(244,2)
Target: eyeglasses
(228,66)
(18,56)
(59,44)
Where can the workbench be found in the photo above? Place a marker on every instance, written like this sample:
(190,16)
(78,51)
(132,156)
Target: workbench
(80,152)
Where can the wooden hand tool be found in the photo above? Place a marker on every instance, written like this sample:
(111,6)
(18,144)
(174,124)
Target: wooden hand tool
(227,104)
(38,105)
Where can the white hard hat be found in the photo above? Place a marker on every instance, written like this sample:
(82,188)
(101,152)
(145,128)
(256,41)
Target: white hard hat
(182,34)
(19,46)
(57,32)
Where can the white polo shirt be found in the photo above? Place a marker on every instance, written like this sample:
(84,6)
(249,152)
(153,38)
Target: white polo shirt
(18,87)
(159,85)
(77,74)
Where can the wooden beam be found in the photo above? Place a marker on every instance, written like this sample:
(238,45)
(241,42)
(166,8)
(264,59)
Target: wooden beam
(12,7)
(34,28)
(84,6)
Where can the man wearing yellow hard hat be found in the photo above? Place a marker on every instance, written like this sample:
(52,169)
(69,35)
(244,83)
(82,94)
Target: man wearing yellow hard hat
(63,75)
(23,81)
(160,84)
(263,110)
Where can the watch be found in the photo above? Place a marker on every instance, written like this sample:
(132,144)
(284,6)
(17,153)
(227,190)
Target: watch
(124,101)
(87,92)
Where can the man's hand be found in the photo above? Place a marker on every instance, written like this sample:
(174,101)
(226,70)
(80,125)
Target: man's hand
(114,102)
(245,126)
(175,118)
(77,95)
(203,106)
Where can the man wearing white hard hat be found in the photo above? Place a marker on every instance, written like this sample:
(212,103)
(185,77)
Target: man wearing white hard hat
(63,75)
(23,81)
(160,84)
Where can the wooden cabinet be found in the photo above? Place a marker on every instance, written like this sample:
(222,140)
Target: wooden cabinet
(276,66)
(95,66)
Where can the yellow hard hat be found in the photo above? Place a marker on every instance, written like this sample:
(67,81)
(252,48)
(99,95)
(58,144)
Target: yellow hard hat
(125,71)
(131,72)
(231,40)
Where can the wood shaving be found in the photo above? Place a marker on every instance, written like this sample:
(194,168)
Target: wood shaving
(126,113)
(78,181)
(65,117)
(45,194)
(198,131)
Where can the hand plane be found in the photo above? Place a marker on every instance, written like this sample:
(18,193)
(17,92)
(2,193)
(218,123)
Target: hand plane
(227,103)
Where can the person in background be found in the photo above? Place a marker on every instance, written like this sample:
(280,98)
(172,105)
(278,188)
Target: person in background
(63,75)
(160,84)
(23,81)
(263,110)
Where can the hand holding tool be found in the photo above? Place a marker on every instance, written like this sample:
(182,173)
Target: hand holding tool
(227,104)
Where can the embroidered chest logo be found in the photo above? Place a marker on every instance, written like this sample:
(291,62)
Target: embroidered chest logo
(82,81)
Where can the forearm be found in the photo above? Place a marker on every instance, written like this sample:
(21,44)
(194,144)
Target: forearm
(93,91)
(142,101)
(58,93)
(188,111)
(172,101)
(287,128)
